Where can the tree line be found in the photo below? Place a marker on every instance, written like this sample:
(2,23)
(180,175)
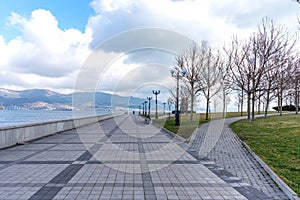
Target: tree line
(260,69)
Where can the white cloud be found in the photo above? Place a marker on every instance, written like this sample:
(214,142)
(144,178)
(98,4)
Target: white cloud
(248,13)
(111,6)
(211,20)
(44,55)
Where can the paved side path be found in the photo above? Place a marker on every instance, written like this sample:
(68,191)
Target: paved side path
(228,152)
(126,159)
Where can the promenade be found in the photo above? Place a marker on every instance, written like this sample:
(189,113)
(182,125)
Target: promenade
(123,158)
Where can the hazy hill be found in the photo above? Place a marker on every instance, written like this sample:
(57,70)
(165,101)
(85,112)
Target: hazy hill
(47,99)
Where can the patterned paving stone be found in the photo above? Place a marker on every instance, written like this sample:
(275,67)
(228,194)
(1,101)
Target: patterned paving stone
(229,153)
(120,158)
(7,155)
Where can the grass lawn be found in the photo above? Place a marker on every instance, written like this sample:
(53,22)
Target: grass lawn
(276,140)
(238,114)
(186,127)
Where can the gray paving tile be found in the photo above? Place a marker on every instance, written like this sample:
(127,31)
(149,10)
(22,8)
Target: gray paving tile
(7,155)
(129,160)
(56,156)
(229,153)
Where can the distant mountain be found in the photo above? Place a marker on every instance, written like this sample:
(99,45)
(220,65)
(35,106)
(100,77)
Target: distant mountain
(49,100)
(34,99)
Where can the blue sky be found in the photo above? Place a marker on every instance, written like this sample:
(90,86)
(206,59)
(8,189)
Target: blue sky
(69,15)
(47,43)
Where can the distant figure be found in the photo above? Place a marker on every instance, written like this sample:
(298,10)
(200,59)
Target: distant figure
(133,112)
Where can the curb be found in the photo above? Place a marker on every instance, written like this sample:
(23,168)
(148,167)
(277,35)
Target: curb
(282,185)
(191,139)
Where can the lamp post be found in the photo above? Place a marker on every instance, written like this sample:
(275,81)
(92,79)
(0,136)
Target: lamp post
(156,93)
(164,108)
(169,104)
(149,99)
(177,73)
(143,108)
(139,109)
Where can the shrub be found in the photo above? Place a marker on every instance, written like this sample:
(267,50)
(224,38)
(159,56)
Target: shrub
(286,108)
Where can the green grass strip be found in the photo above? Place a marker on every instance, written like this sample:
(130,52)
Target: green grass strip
(276,140)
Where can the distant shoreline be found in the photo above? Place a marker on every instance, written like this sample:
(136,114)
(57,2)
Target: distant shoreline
(22,117)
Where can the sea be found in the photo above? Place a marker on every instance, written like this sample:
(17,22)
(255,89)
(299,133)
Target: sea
(21,117)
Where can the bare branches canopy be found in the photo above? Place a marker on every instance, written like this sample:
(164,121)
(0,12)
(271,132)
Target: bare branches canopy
(263,67)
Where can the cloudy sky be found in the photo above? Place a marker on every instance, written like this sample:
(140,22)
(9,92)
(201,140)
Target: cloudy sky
(48,43)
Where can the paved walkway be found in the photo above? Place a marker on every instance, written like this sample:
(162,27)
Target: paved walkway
(227,151)
(120,158)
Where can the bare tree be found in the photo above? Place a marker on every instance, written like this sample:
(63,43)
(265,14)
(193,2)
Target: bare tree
(240,74)
(282,82)
(277,47)
(185,98)
(269,85)
(249,63)
(170,102)
(266,43)
(239,99)
(209,74)
(225,81)
(189,60)
(295,81)
(172,97)
(298,1)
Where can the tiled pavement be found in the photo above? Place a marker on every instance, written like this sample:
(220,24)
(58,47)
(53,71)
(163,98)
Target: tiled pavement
(227,151)
(126,159)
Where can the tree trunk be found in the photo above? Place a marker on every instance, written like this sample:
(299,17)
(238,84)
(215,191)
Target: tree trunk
(280,102)
(253,105)
(296,97)
(259,102)
(192,104)
(278,96)
(248,106)
(267,103)
(224,103)
(296,102)
(242,102)
(207,105)
(187,106)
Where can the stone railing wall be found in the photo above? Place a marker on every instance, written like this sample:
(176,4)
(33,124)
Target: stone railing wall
(13,135)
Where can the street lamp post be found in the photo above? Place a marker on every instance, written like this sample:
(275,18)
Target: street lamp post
(143,108)
(164,108)
(169,104)
(177,74)
(139,109)
(149,98)
(156,93)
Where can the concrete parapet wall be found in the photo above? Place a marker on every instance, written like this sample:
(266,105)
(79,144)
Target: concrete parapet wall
(13,135)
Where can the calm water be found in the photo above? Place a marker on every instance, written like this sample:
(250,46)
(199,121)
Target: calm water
(19,117)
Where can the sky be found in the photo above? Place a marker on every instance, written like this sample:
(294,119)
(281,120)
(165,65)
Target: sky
(52,44)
